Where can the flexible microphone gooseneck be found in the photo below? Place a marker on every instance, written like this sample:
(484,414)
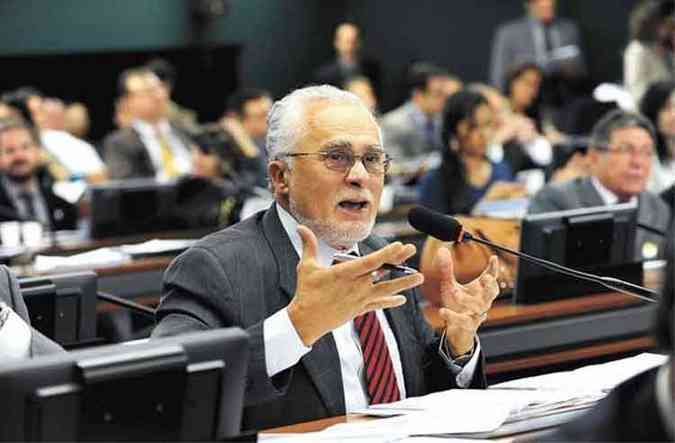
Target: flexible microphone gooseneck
(446,228)
(128,304)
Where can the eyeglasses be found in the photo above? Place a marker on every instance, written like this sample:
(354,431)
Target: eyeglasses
(626,149)
(375,161)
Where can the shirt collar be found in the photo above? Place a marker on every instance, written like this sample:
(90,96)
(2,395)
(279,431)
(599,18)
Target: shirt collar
(608,196)
(146,128)
(325,252)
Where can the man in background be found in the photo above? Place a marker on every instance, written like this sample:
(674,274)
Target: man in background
(540,37)
(151,146)
(620,156)
(349,62)
(25,185)
(413,130)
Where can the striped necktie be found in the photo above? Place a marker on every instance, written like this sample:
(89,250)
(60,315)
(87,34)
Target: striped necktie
(379,370)
(380,376)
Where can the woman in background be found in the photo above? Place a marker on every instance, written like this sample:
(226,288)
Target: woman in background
(649,55)
(465,175)
(658,105)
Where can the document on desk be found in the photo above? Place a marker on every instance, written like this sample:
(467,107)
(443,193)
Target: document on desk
(600,377)
(87,260)
(157,246)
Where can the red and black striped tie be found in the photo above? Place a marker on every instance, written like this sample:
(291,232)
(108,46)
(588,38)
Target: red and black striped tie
(380,377)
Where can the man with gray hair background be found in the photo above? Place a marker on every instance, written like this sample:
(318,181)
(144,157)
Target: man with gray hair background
(620,153)
(326,338)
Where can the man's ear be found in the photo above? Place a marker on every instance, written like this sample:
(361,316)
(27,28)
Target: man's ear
(278,172)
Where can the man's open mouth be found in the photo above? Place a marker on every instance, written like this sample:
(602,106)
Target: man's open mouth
(353,204)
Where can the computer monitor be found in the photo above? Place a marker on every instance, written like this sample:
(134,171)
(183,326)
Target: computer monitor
(63,306)
(598,240)
(184,388)
(130,207)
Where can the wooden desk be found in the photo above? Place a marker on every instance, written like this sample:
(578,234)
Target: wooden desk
(519,337)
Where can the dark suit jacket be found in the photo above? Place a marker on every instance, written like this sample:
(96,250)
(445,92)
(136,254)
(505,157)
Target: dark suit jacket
(247,272)
(580,193)
(11,295)
(126,156)
(62,215)
(514,45)
(332,74)
(629,413)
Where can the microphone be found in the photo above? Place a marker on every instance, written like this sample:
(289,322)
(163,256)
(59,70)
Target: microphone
(446,228)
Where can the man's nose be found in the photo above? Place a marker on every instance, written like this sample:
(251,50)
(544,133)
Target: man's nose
(357,174)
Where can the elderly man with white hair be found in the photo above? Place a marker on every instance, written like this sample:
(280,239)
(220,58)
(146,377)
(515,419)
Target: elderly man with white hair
(326,338)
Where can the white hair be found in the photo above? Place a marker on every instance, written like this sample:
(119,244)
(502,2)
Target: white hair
(286,121)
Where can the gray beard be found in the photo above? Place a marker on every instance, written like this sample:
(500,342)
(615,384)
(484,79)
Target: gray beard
(328,233)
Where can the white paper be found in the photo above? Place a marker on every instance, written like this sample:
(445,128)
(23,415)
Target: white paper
(157,246)
(601,377)
(87,260)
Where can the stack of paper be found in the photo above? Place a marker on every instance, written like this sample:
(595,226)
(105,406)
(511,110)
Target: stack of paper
(88,260)
(601,377)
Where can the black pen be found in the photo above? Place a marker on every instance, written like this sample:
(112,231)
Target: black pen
(389,267)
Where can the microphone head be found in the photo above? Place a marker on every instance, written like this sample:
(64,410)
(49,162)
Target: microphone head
(435,224)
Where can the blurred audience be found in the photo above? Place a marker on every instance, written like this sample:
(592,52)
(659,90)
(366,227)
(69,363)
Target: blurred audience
(413,129)
(363,88)
(466,175)
(349,61)
(551,42)
(76,120)
(649,55)
(246,121)
(658,105)
(25,185)
(150,146)
(180,116)
(620,156)
(69,157)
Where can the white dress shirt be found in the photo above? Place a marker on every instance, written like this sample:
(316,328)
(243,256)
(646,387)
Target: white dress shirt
(284,348)
(181,153)
(15,335)
(608,196)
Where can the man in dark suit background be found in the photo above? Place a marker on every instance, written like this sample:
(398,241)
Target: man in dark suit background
(151,146)
(17,338)
(25,184)
(325,339)
(540,37)
(349,61)
(413,130)
(620,153)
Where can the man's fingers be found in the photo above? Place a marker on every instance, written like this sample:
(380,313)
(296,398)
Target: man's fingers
(310,244)
(399,284)
(394,254)
(386,302)
(445,268)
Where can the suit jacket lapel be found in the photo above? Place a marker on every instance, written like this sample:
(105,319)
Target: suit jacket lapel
(588,194)
(322,363)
